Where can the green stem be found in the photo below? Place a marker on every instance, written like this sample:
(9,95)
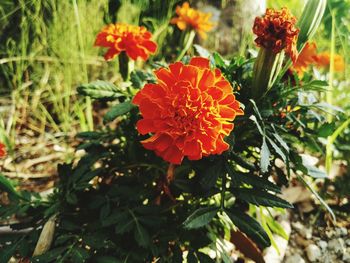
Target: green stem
(329,98)
(266,69)
(187,45)
(124,65)
(223,191)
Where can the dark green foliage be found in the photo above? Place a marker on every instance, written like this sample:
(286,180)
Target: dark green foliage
(100,90)
(116,205)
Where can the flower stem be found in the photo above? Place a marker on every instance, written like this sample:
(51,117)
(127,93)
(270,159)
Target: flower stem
(266,68)
(124,64)
(170,173)
(187,45)
(223,191)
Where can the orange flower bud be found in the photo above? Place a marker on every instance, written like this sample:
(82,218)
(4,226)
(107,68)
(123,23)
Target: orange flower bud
(277,31)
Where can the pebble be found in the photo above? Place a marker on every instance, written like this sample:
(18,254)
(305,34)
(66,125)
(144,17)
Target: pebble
(342,231)
(322,244)
(308,233)
(313,252)
(298,226)
(346,257)
(347,242)
(337,245)
(330,233)
(296,258)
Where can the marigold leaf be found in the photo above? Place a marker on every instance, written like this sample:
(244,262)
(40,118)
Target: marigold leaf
(141,235)
(277,149)
(249,226)
(100,90)
(118,110)
(200,217)
(259,197)
(258,182)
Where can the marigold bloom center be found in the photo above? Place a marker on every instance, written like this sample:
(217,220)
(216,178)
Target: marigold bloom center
(188,112)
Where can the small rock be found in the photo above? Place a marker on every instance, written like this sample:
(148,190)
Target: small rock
(343,231)
(308,233)
(298,226)
(313,252)
(302,241)
(330,233)
(337,245)
(322,244)
(347,242)
(346,257)
(296,258)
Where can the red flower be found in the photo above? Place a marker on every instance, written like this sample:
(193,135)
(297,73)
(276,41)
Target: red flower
(2,150)
(188,112)
(134,40)
(276,30)
(192,18)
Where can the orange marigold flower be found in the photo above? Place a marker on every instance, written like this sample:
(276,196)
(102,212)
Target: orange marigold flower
(192,18)
(277,30)
(306,57)
(188,111)
(2,150)
(324,59)
(134,40)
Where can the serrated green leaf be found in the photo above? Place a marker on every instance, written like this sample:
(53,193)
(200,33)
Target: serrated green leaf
(259,197)
(200,217)
(118,110)
(141,236)
(260,129)
(211,175)
(100,90)
(139,77)
(258,182)
(249,226)
(116,217)
(281,141)
(277,149)
(89,135)
(124,227)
